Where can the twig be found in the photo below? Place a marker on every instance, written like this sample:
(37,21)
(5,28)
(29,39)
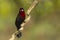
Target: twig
(32,6)
(35,2)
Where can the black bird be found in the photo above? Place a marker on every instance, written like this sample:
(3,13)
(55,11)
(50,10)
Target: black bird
(20,19)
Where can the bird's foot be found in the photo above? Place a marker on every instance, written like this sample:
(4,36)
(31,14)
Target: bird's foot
(24,21)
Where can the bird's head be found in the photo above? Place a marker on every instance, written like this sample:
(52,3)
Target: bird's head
(21,10)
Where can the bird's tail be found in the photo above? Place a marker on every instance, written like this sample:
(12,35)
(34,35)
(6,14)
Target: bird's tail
(18,28)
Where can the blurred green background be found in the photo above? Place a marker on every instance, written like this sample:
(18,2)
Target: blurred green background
(43,25)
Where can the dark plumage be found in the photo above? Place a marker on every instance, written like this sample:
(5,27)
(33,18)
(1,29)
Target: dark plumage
(19,20)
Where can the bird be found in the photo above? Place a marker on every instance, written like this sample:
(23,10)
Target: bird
(19,20)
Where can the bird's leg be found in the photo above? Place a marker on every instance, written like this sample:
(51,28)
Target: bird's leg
(27,14)
(24,22)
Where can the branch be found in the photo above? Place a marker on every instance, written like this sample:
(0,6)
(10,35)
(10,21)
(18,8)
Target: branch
(32,6)
(35,2)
